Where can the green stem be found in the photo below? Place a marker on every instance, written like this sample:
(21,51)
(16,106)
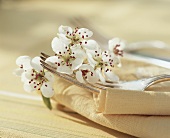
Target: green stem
(47,102)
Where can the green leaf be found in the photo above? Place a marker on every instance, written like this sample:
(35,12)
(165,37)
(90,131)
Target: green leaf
(47,102)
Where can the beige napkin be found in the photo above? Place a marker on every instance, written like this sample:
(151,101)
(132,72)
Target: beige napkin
(116,101)
(102,109)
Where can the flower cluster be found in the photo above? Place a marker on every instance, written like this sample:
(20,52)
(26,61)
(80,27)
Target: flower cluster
(33,76)
(77,54)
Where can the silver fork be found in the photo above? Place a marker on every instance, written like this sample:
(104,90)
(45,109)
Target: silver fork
(139,85)
(103,39)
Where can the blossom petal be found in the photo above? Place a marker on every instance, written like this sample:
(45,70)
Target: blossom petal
(53,61)
(29,74)
(86,67)
(18,72)
(111,76)
(24,61)
(47,90)
(64,39)
(65,30)
(78,53)
(92,78)
(58,46)
(79,77)
(122,45)
(117,61)
(100,75)
(91,75)
(75,47)
(107,56)
(90,44)
(65,69)
(113,42)
(36,64)
(23,77)
(84,33)
(91,61)
(49,76)
(95,53)
(29,87)
(77,63)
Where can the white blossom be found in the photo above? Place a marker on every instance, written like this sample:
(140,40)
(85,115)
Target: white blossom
(24,63)
(77,55)
(77,37)
(86,72)
(34,77)
(103,63)
(71,48)
(116,45)
(66,60)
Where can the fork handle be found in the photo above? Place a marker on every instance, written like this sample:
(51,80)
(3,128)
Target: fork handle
(156,79)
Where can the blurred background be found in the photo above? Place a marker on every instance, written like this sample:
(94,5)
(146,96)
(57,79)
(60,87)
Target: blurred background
(28,26)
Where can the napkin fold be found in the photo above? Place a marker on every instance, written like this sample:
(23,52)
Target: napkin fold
(117,101)
(84,103)
(141,114)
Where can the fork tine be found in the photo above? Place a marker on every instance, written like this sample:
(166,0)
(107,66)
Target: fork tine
(69,78)
(42,58)
(46,64)
(53,70)
(97,86)
(45,55)
(47,67)
(50,70)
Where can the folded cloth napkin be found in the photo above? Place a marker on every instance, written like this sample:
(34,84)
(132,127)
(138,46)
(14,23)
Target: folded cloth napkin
(117,101)
(109,108)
